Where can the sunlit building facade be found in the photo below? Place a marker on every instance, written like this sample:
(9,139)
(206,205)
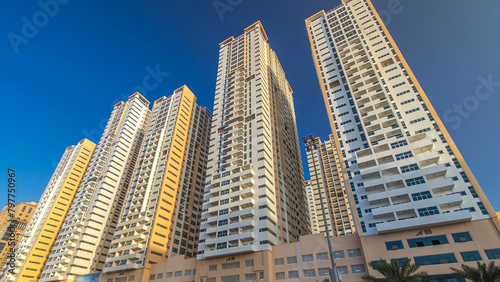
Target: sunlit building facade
(47,220)
(82,244)
(410,185)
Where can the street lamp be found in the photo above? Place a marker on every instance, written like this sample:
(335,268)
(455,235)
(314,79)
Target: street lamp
(309,147)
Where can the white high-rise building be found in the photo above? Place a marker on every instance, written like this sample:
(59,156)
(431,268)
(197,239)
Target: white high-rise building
(162,212)
(415,196)
(85,238)
(254,194)
(404,169)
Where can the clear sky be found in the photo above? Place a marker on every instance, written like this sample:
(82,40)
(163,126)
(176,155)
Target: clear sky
(64,65)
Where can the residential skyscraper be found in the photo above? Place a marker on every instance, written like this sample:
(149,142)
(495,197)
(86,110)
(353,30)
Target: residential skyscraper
(254,194)
(85,237)
(22,214)
(40,236)
(325,167)
(406,176)
(162,212)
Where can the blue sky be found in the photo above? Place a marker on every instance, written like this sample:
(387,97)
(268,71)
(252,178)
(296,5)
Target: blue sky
(61,76)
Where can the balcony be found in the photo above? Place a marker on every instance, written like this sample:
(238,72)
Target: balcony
(428,221)
(229,251)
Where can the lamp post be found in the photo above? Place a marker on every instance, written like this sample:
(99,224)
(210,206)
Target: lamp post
(309,148)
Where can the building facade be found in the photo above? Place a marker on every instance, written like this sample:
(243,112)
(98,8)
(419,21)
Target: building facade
(254,194)
(327,174)
(305,260)
(311,206)
(162,212)
(12,228)
(85,237)
(411,186)
(47,220)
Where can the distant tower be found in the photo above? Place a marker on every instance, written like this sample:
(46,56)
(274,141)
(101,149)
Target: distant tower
(330,176)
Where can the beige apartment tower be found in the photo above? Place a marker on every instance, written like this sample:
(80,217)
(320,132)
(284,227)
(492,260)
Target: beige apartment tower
(17,225)
(162,212)
(254,194)
(83,242)
(413,193)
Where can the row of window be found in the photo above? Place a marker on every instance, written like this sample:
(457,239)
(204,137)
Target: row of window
(451,258)
(429,241)
(319,257)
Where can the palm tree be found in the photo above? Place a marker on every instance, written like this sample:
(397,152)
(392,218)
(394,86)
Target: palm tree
(482,273)
(396,272)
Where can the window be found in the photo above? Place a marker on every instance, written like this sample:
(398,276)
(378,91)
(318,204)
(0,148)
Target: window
(223,202)
(428,211)
(230,265)
(342,270)
(187,272)
(249,263)
(323,271)
(159,276)
(152,277)
(399,144)
(251,277)
(394,245)
(493,253)
(212,267)
(404,155)
(358,268)
(222,222)
(415,181)
(293,274)
(309,273)
(338,254)
(231,278)
(461,237)
(221,245)
(280,276)
(471,256)
(291,260)
(222,233)
(211,279)
(408,168)
(428,241)
(322,256)
(307,258)
(169,274)
(421,196)
(279,261)
(436,259)
(178,274)
(131,278)
(354,253)
(223,212)
(400,260)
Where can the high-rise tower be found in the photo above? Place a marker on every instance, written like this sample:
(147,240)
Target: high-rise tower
(406,176)
(162,212)
(254,194)
(327,173)
(84,240)
(40,236)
